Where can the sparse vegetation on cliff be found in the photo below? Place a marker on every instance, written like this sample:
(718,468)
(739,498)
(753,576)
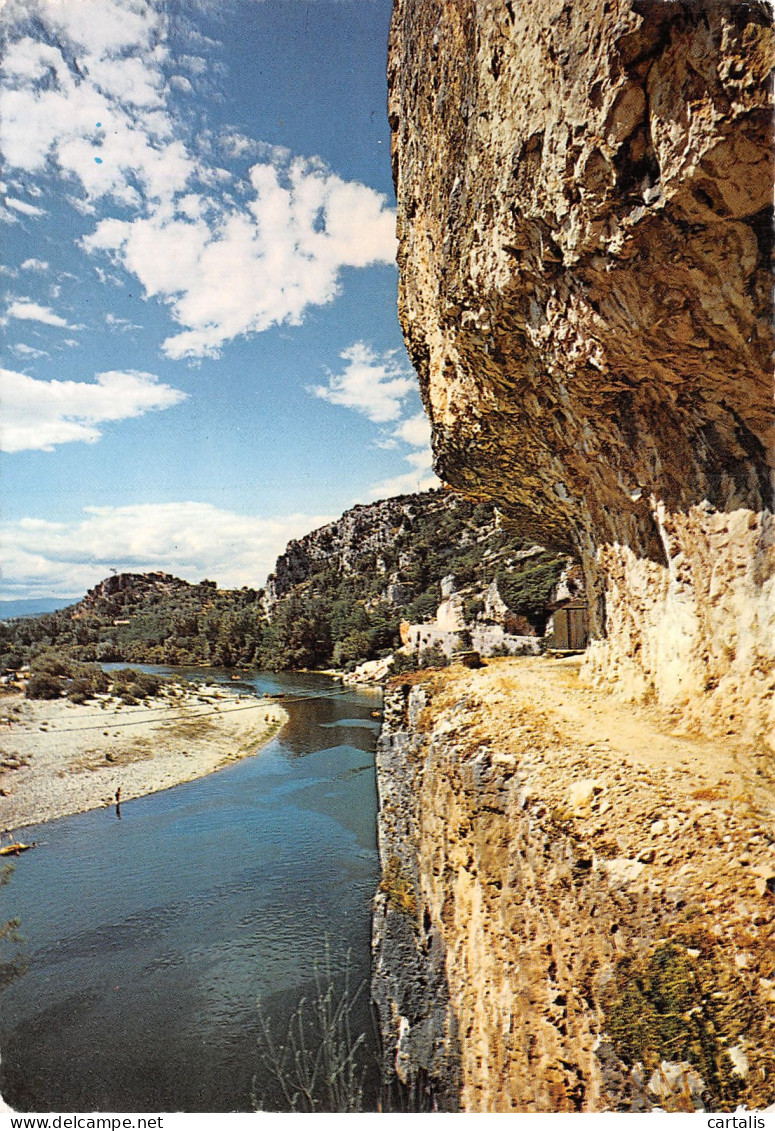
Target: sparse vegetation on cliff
(683,1001)
(625,867)
(672,1006)
(528,591)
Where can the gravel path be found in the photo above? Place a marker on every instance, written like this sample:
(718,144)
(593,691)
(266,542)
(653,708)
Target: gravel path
(58,758)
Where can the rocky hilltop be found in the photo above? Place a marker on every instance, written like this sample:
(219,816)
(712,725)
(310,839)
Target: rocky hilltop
(585,224)
(412,571)
(124,592)
(365,530)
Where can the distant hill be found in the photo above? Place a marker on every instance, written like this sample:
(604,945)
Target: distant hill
(145,618)
(32,607)
(336,597)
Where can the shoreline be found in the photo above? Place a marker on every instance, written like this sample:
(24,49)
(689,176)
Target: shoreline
(58,758)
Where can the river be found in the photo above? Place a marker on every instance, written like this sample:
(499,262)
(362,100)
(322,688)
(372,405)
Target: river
(151,938)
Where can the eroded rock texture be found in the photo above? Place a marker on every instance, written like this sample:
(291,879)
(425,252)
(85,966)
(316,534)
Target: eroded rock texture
(585,223)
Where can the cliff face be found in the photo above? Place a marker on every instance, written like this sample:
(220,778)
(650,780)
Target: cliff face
(400,553)
(585,223)
(577,909)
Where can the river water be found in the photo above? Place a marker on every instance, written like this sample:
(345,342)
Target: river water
(150,939)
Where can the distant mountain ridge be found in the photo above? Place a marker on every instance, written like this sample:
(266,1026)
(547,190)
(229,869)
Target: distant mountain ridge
(338,596)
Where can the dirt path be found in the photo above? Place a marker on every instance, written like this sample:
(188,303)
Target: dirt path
(660,810)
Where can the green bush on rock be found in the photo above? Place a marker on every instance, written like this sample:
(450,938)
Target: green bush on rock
(680,1003)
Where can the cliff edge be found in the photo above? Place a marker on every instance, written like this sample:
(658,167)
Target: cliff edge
(585,225)
(577,908)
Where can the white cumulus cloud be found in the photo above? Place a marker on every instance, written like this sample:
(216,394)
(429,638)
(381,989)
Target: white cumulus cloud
(122,324)
(91,99)
(23,207)
(382,388)
(23,350)
(416,430)
(372,383)
(88,99)
(227,271)
(37,415)
(421,477)
(190,539)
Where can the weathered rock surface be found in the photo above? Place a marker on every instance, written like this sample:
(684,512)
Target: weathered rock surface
(585,223)
(362,530)
(574,913)
(127,589)
(363,541)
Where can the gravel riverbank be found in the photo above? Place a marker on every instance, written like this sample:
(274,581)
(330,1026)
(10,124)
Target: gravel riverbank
(58,758)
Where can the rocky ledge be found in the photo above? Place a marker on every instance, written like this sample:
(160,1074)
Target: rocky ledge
(585,225)
(577,908)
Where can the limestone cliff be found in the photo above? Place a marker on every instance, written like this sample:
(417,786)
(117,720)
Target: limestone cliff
(585,223)
(577,910)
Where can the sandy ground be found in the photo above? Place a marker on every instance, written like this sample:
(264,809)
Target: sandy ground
(59,758)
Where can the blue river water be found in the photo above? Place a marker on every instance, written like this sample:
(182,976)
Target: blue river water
(150,939)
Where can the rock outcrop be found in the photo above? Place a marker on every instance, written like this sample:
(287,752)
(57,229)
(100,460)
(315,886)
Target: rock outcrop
(429,554)
(577,906)
(122,590)
(585,225)
(364,530)
(577,910)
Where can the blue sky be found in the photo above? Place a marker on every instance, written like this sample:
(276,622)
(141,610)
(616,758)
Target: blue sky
(201,354)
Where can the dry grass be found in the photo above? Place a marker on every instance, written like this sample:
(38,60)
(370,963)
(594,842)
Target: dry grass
(191,729)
